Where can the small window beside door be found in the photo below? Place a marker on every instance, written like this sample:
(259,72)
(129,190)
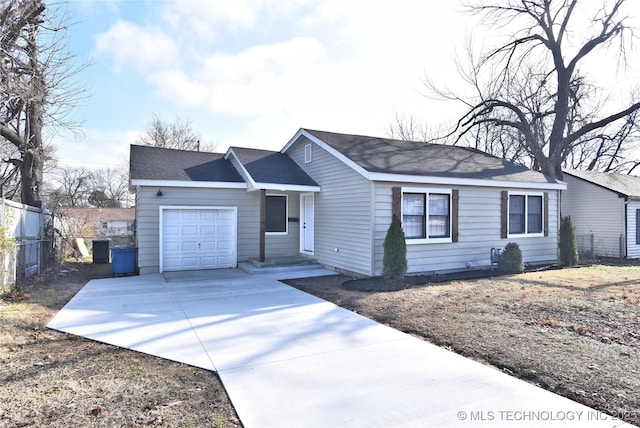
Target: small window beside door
(276,215)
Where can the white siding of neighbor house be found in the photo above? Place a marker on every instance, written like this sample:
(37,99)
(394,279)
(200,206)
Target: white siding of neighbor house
(633,247)
(343,211)
(478,227)
(595,210)
(248,204)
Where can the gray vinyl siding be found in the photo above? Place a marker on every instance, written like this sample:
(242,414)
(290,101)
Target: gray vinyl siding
(478,228)
(595,210)
(343,211)
(248,227)
(633,248)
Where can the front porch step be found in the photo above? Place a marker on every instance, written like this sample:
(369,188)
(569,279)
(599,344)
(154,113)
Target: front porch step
(284,264)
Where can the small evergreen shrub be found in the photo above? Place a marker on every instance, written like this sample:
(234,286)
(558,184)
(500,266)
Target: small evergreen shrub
(511,259)
(394,261)
(567,245)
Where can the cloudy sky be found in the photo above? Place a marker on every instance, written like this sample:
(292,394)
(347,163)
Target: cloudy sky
(252,72)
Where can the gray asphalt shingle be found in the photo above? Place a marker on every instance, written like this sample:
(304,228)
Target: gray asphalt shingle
(628,185)
(266,166)
(383,155)
(154,163)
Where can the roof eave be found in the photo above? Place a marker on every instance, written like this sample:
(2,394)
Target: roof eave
(602,186)
(197,184)
(424,179)
(285,187)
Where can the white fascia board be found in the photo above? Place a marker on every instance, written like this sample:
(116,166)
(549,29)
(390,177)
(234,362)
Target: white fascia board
(243,171)
(302,132)
(421,179)
(197,184)
(293,140)
(286,187)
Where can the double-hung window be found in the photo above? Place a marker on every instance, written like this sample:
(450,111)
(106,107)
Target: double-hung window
(525,214)
(426,215)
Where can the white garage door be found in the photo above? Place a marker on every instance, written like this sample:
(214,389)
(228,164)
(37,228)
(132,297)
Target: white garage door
(198,238)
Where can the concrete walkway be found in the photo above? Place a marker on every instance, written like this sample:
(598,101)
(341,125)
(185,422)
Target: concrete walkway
(289,359)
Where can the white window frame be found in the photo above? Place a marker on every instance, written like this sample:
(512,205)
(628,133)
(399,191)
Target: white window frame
(526,233)
(426,191)
(308,153)
(286,215)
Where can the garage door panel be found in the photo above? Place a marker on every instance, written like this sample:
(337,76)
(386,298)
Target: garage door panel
(171,231)
(189,246)
(208,230)
(190,215)
(208,245)
(226,215)
(172,246)
(224,245)
(189,230)
(202,238)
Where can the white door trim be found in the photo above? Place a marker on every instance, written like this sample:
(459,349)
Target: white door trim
(162,208)
(307,212)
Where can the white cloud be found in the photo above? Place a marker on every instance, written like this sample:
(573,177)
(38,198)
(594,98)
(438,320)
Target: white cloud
(129,45)
(267,65)
(208,20)
(97,150)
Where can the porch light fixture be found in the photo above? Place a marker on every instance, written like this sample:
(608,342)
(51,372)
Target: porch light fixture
(159,193)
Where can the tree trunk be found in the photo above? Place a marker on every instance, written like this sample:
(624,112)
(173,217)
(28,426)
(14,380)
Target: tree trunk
(33,159)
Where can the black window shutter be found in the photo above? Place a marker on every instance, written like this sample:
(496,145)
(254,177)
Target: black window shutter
(396,202)
(455,196)
(504,214)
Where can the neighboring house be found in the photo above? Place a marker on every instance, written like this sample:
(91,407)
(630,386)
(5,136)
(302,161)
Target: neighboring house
(331,197)
(89,223)
(605,210)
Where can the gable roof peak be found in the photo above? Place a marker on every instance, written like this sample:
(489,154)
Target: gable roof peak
(391,159)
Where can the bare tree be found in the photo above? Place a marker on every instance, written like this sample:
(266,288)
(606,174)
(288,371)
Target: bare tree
(110,188)
(178,134)
(74,185)
(409,128)
(35,86)
(532,90)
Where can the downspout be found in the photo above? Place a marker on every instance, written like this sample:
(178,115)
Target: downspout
(263,225)
(624,249)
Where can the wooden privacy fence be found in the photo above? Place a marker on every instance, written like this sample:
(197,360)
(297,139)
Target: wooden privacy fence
(31,249)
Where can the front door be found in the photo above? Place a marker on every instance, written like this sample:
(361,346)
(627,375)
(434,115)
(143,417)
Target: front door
(306,223)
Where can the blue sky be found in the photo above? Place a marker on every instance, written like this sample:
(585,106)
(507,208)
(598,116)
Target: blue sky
(252,72)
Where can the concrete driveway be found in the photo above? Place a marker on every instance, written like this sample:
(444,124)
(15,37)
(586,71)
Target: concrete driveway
(289,359)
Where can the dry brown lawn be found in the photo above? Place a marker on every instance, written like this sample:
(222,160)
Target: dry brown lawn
(48,378)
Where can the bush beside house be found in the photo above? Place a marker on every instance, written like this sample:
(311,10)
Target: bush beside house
(395,252)
(511,259)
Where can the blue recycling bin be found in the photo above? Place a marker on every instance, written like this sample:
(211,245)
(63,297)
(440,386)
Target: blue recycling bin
(123,260)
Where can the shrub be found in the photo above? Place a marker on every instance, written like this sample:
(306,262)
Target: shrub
(511,259)
(394,261)
(567,246)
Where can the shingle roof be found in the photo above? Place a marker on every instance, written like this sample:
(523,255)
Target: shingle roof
(101,214)
(265,166)
(154,163)
(628,185)
(383,155)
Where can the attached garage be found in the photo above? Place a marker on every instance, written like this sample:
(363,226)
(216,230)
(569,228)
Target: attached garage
(193,238)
